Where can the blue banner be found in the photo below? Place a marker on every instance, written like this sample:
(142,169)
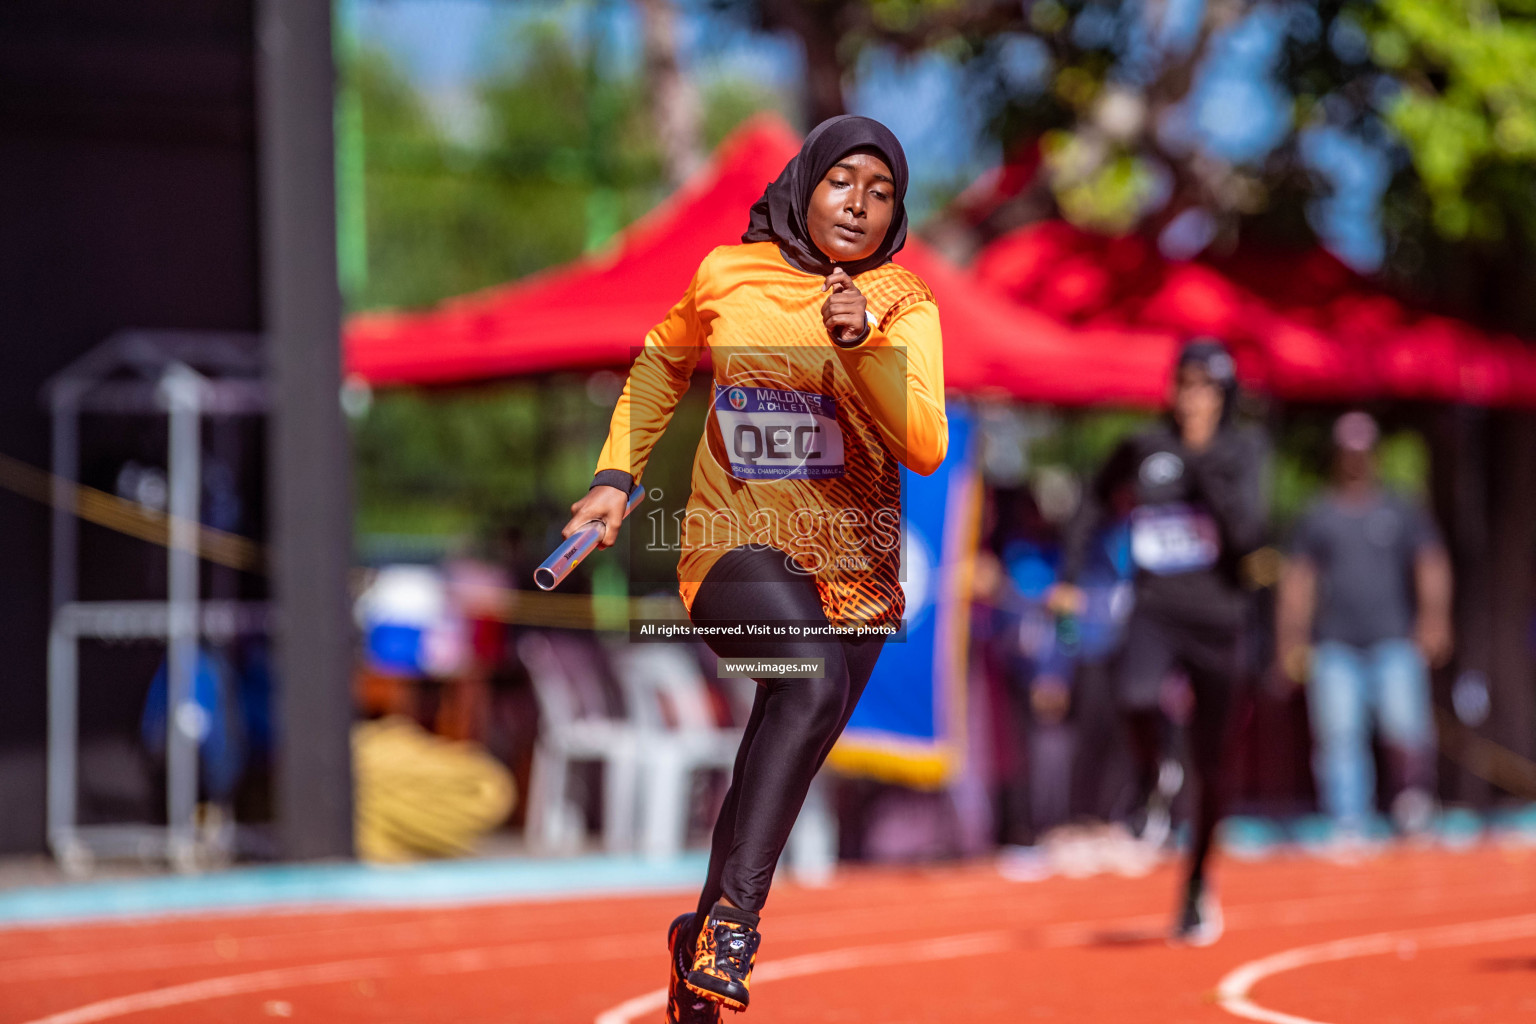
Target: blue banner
(909,725)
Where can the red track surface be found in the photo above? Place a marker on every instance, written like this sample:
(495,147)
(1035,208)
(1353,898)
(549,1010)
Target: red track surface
(934,945)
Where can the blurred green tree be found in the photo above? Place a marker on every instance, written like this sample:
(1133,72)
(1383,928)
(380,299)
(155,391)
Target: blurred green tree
(547,160)
(1110,95)
(1457,90)
(548,156)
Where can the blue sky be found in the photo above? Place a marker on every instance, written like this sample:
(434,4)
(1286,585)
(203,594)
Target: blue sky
(1236,112)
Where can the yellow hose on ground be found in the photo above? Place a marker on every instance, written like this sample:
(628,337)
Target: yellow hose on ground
(419,795)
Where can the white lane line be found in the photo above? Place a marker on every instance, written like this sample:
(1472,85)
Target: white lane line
(459,961)
(402,939)
(1233,990)
(639,1006)
(952,947)
(234,950)
(476,960)
(216,988)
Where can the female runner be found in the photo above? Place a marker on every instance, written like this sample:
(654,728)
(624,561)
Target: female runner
(1196,485)
(828,376)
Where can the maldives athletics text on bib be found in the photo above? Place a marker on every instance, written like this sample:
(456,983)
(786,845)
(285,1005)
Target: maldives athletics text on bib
(1172,538)
(778,434)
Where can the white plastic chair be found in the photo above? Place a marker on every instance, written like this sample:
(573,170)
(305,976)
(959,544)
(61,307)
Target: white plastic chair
(575,727)
(678,735)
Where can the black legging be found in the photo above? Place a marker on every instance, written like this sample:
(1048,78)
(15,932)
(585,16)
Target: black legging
(793,724)
(1212,657)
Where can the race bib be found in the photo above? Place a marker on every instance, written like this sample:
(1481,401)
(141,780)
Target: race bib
(773,434)
(1173,538)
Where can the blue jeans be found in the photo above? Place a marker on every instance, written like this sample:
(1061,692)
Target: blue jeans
(1350,686)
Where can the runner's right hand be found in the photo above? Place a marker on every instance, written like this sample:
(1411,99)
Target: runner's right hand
(844,312)
(602,503)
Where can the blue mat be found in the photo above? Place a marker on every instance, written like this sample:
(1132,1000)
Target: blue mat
(309,885)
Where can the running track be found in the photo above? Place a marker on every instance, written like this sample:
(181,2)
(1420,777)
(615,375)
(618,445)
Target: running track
(1419,936)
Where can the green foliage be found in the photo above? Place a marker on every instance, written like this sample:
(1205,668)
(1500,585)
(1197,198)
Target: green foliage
(1296,480)
(1403,461)
(1303,465)
(1466,109)
(730,101)
(561,159)
(1109,196)
(560,156)
(1083,441)
(425,462)
(1443,90)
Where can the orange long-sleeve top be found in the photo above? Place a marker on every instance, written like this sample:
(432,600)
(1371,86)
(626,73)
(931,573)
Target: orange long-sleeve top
(804,438)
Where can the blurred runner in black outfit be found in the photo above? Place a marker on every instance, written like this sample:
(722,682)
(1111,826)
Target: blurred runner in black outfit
(1194,486)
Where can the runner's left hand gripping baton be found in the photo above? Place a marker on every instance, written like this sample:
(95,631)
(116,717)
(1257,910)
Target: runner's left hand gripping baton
(577,546)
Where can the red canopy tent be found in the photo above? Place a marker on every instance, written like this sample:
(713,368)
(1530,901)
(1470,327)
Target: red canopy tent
(1049,313)
(1302,327)
(593,312)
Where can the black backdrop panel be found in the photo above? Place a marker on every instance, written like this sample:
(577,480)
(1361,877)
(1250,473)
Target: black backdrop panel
(128,198)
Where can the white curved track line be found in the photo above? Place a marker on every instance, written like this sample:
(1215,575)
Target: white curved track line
(234,951)
(639,1006)
(458,961)
(403,939)
(473,960)
(215,988)
(923,950)
(1232,991)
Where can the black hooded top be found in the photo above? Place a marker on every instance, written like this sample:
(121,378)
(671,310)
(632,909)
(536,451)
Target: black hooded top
(779,216)
(1154,471)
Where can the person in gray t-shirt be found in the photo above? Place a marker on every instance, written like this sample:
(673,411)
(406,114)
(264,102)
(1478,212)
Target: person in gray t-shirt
(1364,610)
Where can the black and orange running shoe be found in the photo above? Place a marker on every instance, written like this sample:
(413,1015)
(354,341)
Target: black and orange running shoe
(723,959)
(685,1006)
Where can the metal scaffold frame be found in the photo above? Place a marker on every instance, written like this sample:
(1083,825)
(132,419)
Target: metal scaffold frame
(185,377)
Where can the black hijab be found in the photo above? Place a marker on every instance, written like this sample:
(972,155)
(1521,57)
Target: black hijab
(779,216)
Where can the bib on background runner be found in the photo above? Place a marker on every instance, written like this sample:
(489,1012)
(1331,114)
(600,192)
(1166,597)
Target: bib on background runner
(778,434)
(1173,538)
